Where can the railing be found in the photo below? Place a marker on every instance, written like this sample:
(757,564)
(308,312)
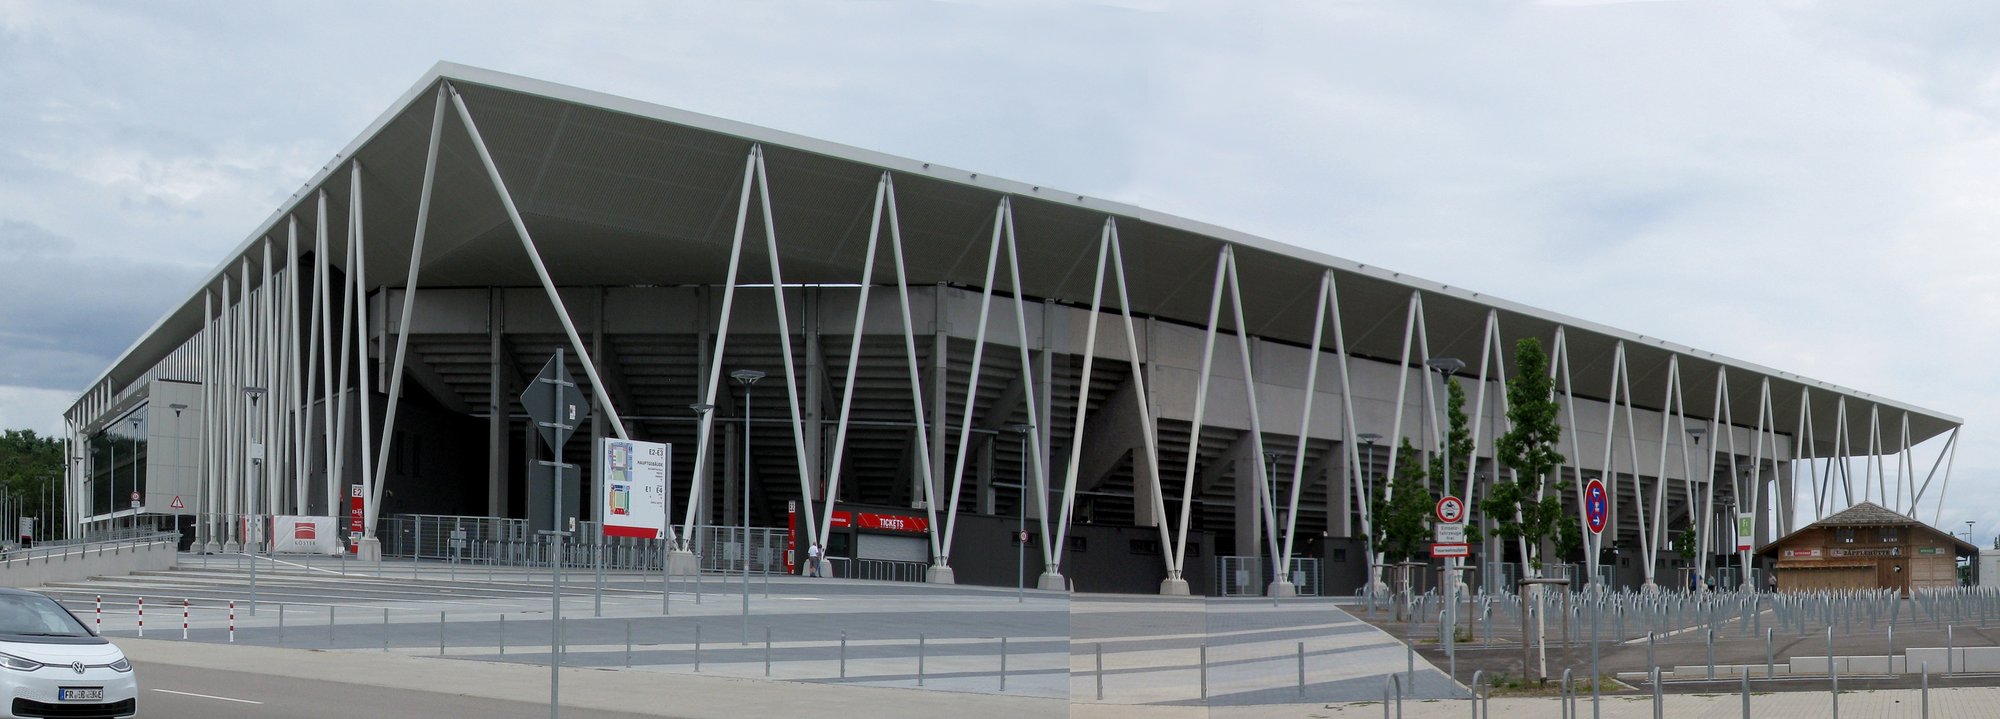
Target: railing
(1249,576)
(58,552)
(891,570)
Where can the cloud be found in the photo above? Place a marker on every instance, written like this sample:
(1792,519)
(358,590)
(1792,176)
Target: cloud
(1802,185)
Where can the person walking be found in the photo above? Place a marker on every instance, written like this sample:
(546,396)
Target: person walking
(812,560)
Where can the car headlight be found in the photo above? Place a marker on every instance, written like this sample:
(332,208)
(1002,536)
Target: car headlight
(19,664)
(121,665)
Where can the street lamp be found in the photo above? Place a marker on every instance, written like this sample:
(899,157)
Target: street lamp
(177,407)
(1446,367)
(1701,537)
(257,466)
(135,474)
(749,379)
(1367,500)
(1021,507)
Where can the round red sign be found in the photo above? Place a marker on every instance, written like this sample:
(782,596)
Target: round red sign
(1450,510)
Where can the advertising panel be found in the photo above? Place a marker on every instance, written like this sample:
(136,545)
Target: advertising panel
(632,488)
(305,535)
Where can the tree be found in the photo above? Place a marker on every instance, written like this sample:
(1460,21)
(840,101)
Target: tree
(1521,508)
(1402,519)
(1459,448)
(31,469)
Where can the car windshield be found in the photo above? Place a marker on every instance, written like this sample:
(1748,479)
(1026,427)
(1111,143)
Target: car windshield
(36,615)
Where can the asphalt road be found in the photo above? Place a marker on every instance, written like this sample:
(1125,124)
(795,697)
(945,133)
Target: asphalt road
(176,692)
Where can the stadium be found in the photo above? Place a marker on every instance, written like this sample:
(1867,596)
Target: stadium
(964,378)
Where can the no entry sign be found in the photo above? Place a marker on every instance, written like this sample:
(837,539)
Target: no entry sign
(1450,510)
(1595,506)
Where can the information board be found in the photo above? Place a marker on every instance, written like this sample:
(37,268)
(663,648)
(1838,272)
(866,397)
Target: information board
(632,487)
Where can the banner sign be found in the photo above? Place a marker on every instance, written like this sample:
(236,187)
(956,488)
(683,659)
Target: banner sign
(1870,552)
(305,535)
(1448,533)
(632,482)
(357,517)
(1746,528)
(1451,550)
(1794,553)
(843,519)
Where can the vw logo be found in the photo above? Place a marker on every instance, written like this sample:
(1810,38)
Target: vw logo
(76,666)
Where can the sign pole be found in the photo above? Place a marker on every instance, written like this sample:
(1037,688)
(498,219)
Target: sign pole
(556,533)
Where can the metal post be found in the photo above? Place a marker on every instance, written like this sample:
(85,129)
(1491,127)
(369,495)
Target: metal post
(1658,706)
(1949,667)
(1649,651)
(628,643)
(767,656)
(1770,662)
(1746,695)
(1204,671)
(920,660)
(1926,689)
(503,635)
(440,633)
(749,379)
(1302,669)
(1711,655)
(843,655)
(329,624)
(281,625)
(385,629)
(1003,666)
(1100,671)
(697,651)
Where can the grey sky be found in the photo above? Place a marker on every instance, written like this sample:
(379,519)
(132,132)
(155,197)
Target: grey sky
(1811,187)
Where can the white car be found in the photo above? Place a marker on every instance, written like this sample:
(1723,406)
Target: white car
(52,665)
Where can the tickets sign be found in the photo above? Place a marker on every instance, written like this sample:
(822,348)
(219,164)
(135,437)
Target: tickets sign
(632,487)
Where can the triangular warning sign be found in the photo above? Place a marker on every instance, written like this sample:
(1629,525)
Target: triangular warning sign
(177,503)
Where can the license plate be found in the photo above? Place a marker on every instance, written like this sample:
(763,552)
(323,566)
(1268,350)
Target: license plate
(81,694)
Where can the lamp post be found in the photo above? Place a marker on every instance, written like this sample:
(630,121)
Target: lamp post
(256,481)
(1446,367)
(177,407)
(135,474)
(749,379)
(1701,537)
(1021,508)
(1368,506)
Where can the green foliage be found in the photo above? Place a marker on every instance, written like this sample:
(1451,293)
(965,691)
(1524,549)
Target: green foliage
(1684,543)
(1458,442)
(1528,448)
(30,465)
(1403,521)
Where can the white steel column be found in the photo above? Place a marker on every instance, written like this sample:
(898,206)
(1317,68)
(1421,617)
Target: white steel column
(853,361)
(806,471)
(535,257)
(916,381)
(1149,432)
(337,390)
(364,399)
(381,471)
(683,559)
(1282,584)
(1178,582)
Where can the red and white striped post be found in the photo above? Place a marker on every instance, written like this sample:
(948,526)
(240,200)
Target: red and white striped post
(232,621)
(100,614)
(184,618)
(142,616)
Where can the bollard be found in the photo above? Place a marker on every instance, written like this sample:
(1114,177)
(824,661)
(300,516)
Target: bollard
(385,629)
(440,633)
(1649,651)
(503,635)
(1472,699)
(329,625)
(697,652)
(1746,695)
(1711,655)
(1948,666)
(1003,667)
(1659,710)
(1204,675)
(628,646)
(1398,681)
(1926,684)
(1770,659)
(843,655)
(1892,651)
(1302,669)
(142,616)
(1566,698)
(1100,671)
(232,621)
(1410,663)
(184,618)
(767,653)
(100,615)
(281,625)
(1385,696)
(1832,673)
(920,659)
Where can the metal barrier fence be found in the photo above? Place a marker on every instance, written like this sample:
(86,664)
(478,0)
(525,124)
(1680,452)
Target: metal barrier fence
(489,540)
(722,549)
(1249,576)
(61,551)
(890,570)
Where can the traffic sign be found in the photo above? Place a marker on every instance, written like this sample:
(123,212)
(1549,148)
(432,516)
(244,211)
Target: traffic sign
(553,402)
(1450,510)
(135,495)
(1445,551)
(1595,506)
(1453,533)
(176,504)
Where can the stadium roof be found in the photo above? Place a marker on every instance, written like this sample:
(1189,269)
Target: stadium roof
(622,192)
